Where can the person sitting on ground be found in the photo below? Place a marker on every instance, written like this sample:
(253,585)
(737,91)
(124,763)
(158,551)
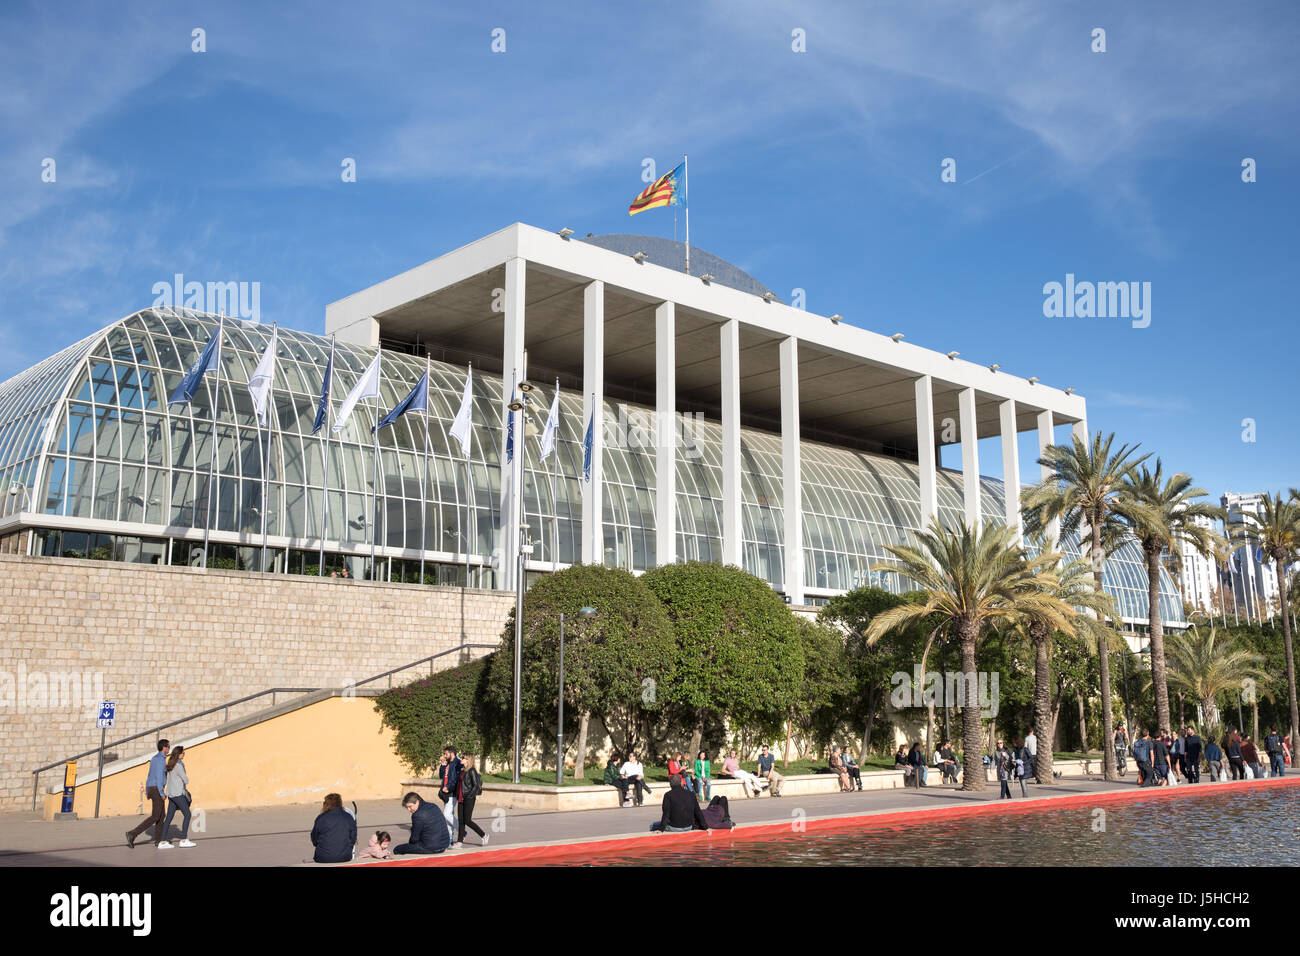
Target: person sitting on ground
(681,813)
(703,785)
(767,771)
(731,768)
(428,827)
(917,760)
(1214,758)
(851,767)
(334,834)
(718,814)
(614,777)
(837,764)
(633,774)
(378,847)
(900,763)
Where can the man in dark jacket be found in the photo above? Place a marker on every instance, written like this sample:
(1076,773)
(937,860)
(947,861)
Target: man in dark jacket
(681,812)
(428,827)
(334,834)
(1273,744)
(1142,749)
(450,771)
(1160,760)
(1192,756)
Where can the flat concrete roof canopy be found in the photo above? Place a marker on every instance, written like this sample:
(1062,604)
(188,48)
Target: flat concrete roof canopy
(856,387)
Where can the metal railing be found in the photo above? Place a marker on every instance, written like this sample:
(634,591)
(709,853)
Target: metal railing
(273,692)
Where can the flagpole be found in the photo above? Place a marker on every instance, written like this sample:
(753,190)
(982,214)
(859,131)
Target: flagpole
(212,456)
(424,484)
(686,188)
(555,505)
(374,473)
(468,532)
(266,444)
(324,462)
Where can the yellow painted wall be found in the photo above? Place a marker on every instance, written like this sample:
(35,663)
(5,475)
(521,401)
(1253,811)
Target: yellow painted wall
(335,745)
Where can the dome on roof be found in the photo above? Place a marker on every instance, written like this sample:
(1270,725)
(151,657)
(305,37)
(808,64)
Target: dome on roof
(672,255)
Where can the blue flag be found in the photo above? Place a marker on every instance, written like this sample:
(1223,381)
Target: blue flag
(417,400)
(586,447)
(207,360)
(323,409)
(510,432)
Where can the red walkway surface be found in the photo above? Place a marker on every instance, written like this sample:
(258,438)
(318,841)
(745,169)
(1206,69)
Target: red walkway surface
(525,855)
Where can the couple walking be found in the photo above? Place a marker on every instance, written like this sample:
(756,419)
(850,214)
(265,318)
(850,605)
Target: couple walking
(167,780)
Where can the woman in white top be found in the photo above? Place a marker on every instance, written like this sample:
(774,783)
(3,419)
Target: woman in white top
(178,798)
(634,774)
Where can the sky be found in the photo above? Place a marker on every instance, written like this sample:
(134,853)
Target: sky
(818,135)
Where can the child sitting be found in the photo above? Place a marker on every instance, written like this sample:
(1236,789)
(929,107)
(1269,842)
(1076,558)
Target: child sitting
(378,846)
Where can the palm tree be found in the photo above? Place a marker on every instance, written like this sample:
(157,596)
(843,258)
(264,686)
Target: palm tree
(1204,664)
(971,578)
(1163,516)
(1277,532)
(1073,586)
(1085,482)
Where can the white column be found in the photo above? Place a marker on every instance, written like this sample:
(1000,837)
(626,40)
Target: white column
(1010,467)
(593,384)
(1045,426)
(512,366)
(791,471)
(731,507)
(927,455)
(1080,430)
(970,457)
(665,434)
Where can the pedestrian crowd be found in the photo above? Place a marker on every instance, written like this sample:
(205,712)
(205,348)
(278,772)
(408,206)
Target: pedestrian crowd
(1167,760)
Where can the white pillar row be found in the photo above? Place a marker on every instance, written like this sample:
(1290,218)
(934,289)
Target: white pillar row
(593,404)
(731,504)
(512,367)
(791,471)
(1010,468)
(1080,430)
(927,453)
(1045,438)
(665,434)
(970,457)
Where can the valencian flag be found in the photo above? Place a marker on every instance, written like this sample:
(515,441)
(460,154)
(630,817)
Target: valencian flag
(667,190)
(417,400)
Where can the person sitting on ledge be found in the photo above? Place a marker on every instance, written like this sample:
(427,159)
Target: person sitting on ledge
(837,764)
(633,774)
(428,827)
(614,778)
(900,763)
(681,812)
(731,768)
(851,767)
(767,771)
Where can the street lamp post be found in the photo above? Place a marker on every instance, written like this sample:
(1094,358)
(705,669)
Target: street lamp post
(559,735)
(516,406)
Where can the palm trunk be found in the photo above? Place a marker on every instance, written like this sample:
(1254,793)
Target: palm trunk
(1279,563)
(1083,723)
(1159,677)
(929,707)
(868,726)
(697,732)
(1042,702)
(580,756)
(1107,718)
(972,737)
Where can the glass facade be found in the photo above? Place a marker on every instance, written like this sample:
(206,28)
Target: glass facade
(89,436)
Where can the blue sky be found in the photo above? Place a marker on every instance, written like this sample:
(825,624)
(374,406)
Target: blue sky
(817,170)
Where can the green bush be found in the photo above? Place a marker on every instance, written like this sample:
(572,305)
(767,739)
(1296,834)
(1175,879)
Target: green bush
(443,709)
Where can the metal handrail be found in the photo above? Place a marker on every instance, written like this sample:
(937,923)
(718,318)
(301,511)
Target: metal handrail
(273,691)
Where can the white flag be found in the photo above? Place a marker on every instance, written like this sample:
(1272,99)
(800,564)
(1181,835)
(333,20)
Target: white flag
(259,386)
(460,427)
(367,387)
(552,423)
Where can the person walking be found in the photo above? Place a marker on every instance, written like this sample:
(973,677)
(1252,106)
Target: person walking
(334,834)
(154,785)
(450,787)
(1160,758)
(1250,757)
(1031,746)
(1121,743)
(1002,764)
(177,792)
(471,787)
(703,787)
(1192,749)
(1232,747)
(1177,752)
(1021,763)
(1273,747)
(1143,749)
(1214,758)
